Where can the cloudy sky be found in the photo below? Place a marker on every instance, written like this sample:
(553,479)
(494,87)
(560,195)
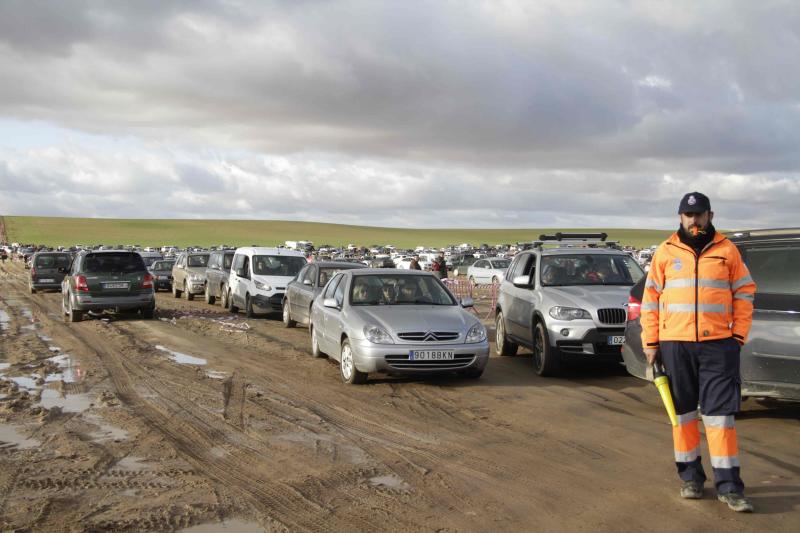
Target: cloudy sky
(437,113)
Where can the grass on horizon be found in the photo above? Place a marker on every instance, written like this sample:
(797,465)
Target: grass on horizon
(55,231)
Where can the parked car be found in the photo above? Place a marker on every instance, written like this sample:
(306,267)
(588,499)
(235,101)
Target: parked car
(162,274)
(770,360)
(405,263)
(565,304)
(48,270)
(150,257)
(103,280)
(492,270)
(397,322)
(259,277)
(189,274)
(301,291)
(217,273)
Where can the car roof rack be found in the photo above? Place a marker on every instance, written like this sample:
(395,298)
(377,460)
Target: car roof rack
(769,232)
(576,240)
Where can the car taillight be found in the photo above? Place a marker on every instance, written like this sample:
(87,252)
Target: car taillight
(147,282)
(81,285)
(634,308)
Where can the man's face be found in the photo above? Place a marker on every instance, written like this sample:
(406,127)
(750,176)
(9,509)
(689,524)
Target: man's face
(696,222)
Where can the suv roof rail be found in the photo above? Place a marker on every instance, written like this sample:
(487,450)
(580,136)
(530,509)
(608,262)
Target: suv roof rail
(763,232)
(574,237)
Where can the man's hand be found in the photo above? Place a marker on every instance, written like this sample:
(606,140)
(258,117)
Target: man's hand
(651,354)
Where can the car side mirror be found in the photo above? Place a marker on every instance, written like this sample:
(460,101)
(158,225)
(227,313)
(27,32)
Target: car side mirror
(330,302)
(467,302)
(522,282)
(306,282)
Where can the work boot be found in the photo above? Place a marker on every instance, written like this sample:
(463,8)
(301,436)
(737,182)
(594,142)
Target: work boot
(736,501)
(692,490)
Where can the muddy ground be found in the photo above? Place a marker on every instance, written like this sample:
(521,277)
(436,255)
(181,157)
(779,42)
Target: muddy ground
(200,421)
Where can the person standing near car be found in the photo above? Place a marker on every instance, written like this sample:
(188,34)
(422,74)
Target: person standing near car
(696,313)
(442,266)
(414,263)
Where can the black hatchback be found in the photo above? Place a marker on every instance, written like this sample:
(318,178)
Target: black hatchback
(770,360)
(48,270)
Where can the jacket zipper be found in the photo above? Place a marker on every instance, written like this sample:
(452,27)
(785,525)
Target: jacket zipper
(697,284)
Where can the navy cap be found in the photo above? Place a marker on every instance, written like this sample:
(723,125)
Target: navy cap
(694,202)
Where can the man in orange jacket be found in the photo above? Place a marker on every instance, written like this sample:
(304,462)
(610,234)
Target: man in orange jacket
(696,312)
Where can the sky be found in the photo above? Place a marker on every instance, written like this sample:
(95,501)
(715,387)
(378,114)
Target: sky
(436,113)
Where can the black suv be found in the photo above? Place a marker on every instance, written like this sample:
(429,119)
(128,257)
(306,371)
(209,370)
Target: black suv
(771,358)
(100,280)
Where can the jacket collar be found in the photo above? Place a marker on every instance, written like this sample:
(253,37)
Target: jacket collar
(675,240)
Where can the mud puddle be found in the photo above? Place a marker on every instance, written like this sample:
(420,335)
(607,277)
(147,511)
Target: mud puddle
(182,358)
(4,320)
(132,464)
(105,431)
(68,403)
(226,526)
(10,438)
(389,482)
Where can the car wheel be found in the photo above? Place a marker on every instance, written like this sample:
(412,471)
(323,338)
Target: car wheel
(494,280)
(147,313)
(232,307)
(545,358)
(350,374)
(224,295)
(175,292)
(502,345)
(72,314)
(471,373)
(189,295)
(209,299)
(287,317)
(248,307)
(315,351)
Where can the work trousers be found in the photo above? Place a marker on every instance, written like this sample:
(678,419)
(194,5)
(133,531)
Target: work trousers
(705,374)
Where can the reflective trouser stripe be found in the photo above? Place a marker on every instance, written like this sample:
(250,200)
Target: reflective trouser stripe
(724,421)
(686,440)
(722,443)
(724,462)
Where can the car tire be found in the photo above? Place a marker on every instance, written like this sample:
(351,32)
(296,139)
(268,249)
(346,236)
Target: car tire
(495,281)
(315,351)
(209,299)
(502,345)
(147,313)
(347,366)
(72,314)
(233,309)
(471,373)
(287,317)
(545,357)
(248,307)
(224,297)
(175,292)
(33,291)
(189,295)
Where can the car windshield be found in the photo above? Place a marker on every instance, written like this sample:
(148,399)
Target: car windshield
(200,260)
(589,269)
(500,263)
(163,265)
(113,262)
(53,261)
(150,260)
(398,289)
(278,265)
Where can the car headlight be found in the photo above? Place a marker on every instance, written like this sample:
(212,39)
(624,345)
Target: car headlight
(378,335)
(476,333)
(569,313)
(262,286)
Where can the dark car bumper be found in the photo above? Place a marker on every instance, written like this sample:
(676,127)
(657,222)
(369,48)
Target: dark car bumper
(146,300)
(39,286)
(270,304)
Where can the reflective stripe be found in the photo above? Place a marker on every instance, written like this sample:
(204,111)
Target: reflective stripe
(649,306)
(687,417)
(725,461)
(703,308)
(687,457)
(682,283)
(651,284)
(741,282)
(718,421)
(744,296)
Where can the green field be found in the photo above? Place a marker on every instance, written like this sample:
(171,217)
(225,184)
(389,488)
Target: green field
(54,231)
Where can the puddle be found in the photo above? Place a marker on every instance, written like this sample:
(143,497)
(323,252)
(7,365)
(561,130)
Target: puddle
(105,431)
(389,482)
(4,320)
(29,327)
(182,358)
(10,437)
(54,348)
(216,374)
(3,366)
(70,372)
(69,403)
(228,526)
(45,338)
(132,464)
(24,382)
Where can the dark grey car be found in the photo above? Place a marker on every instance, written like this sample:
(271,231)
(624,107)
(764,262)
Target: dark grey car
(310,281)
(770,361)
(217,273)
(48,270)
(162,274)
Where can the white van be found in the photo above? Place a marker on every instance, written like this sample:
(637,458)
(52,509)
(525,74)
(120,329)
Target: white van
(258,279)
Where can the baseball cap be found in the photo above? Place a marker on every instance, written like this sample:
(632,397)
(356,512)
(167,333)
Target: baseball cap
(694,202)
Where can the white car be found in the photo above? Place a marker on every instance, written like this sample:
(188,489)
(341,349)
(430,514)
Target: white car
(405,263)
(258,279)
(492,270)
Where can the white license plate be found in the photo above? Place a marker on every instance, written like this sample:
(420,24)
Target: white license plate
(431,355)
(616,340)
(121,285)
(48,280)
(163,278)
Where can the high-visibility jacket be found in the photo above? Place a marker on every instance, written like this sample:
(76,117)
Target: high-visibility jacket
(697,298)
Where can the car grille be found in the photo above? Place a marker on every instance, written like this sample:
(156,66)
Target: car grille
(401,362)
(611,316)
(428,336)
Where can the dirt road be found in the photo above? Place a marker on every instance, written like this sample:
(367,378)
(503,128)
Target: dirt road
(196,417)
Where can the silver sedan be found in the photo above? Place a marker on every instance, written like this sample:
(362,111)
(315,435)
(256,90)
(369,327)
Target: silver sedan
(396,322)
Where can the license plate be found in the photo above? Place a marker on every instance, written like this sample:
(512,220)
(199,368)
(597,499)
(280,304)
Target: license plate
(431,355)
(616,340)
(119,285)
(46,280)
(163,277)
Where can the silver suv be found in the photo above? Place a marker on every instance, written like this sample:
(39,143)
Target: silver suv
(567,302)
